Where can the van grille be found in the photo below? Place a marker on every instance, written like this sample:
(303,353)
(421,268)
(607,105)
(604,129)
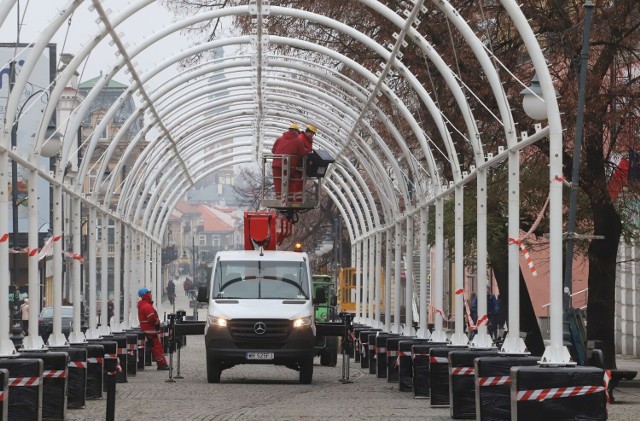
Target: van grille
(244,332)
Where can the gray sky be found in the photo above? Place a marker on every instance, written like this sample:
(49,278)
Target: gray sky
(70,38)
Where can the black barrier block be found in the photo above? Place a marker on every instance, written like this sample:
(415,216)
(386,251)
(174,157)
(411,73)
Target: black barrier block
(148,358)
(462,394)
(392,356)
(110,351)
(54,379)
(381,354)
(439,376)
(77,375)
(493,385)
(356,348)
(142,338)
(405,362)
(371,352)
(95,364)
(4,394)
(364,347)
(25,387)
(421,382)
(121,340)
(132,354)
(530,384)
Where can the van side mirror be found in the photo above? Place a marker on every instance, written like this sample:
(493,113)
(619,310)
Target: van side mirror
(203,297)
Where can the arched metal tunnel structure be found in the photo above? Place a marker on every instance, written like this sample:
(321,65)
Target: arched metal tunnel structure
(382,198)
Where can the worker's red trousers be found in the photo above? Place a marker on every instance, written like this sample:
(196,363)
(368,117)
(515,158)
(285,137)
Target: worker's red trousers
(295,184)
(157,350)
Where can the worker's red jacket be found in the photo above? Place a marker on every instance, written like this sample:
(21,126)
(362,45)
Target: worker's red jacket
(147,315)
(288,144)
(307,144)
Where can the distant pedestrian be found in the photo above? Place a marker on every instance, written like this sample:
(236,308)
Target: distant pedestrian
(171,291)
(110,311)
(24,315)
(187,286)
(150,324)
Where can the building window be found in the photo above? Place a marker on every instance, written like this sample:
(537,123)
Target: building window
(202,240)
(215,240)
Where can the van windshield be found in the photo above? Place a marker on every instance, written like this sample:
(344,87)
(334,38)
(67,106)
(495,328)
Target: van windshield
(259,279)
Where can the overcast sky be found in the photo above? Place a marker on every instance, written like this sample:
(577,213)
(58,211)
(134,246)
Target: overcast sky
(70,38)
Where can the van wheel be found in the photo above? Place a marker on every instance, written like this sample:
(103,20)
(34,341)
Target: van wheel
(306,371)
(214,369)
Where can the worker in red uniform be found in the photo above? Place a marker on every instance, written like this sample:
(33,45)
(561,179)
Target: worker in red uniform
(288,144)
(306,138)
(150,324)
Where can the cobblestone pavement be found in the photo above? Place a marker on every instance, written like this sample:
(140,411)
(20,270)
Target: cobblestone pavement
(265,392)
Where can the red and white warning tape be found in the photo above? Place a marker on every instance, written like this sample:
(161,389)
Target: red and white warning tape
(24,381)
(392,353)
(1,395)
(484,319)
(557,392)
(381,350)
(472,325)
(74,256)
(77,364)
(462,371)
(54,374)
(419,355)
(439,360)
(494,380)
(441,313)
(404,354)
(527,256)
(95,360)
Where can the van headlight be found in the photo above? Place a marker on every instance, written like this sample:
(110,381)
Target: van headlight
(305,321)
(217,321)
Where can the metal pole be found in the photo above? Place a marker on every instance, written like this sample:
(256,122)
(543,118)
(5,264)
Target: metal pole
(193,257)
(14,189)
(577,151)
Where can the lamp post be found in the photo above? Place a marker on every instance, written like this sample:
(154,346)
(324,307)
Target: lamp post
(193,251)
(555,353)
(577,151)
(15,200)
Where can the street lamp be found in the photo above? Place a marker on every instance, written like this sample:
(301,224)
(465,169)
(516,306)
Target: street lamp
(15,200)
(532,101)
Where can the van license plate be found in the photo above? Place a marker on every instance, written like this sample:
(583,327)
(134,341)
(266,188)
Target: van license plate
(259,355)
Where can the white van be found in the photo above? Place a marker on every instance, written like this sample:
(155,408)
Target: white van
(260,312)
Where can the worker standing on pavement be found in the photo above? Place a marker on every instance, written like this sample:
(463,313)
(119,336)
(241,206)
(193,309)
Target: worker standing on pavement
(150,324)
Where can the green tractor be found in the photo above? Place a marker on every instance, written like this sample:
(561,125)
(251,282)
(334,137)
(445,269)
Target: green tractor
(325,302)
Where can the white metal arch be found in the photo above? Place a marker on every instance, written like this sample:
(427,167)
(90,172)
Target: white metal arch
(341,182)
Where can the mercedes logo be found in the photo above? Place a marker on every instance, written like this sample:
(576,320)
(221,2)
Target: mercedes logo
(260,328)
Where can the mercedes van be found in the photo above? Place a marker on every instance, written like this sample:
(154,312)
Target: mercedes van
(260,312)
